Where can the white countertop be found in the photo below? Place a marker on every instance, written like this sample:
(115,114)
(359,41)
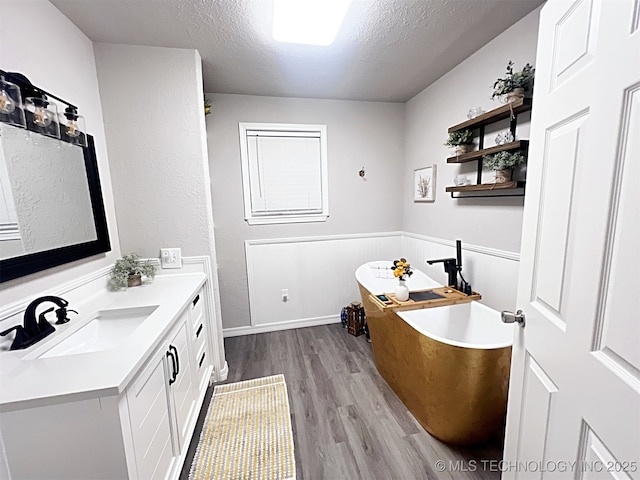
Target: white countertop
(26,380)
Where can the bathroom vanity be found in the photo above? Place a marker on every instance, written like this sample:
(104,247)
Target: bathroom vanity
(116,392)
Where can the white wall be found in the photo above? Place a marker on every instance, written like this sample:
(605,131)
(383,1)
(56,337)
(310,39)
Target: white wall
(153,116)
(154,122)
(491,222)
(59,59)
(359,134)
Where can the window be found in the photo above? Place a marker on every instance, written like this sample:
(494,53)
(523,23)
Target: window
(284,172)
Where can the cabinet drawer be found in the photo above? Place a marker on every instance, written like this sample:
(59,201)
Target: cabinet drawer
(202,365)
(199,333)
(197,307)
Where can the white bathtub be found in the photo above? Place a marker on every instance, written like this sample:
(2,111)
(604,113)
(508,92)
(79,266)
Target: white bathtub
(377,277)
(470,325)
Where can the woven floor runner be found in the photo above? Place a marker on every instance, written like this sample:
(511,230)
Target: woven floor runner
(247,433)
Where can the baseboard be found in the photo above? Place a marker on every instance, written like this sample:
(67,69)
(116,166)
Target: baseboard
(274,327)
(224,372)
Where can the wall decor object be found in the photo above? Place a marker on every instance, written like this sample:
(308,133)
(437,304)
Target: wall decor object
(424,184)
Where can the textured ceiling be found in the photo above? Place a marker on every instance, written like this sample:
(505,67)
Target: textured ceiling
(386,50)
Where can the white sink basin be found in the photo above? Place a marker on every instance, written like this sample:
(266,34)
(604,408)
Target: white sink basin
(106,331)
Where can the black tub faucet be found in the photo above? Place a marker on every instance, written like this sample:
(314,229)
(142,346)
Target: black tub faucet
(35,330)
(452,266)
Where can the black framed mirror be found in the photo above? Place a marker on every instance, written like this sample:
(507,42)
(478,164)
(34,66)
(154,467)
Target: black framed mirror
(58,214)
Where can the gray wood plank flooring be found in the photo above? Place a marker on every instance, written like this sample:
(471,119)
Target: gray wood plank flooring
(347,422)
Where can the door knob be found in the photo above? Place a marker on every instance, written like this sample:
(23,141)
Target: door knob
(510,317)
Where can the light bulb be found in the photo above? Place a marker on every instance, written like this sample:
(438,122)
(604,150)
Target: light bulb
(41,117)
(72,129)
(7,105)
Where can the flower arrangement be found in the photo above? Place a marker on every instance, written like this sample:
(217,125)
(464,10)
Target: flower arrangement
(401,269)
(502,160)
(461,137)
(130,266)
(522,79)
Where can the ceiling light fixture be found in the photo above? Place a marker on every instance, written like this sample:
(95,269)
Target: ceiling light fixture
(308,22)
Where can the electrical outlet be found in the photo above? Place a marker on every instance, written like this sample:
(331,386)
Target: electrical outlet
(170,258)
(285,294)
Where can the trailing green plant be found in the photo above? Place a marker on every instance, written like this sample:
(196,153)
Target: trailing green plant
(461,137)
(513,80)
(502,160)
(130,265)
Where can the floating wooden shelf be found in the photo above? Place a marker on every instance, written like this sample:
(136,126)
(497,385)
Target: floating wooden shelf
(471,156)
(500,113)
(486,187)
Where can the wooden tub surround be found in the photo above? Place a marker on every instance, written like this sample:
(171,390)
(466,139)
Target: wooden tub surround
(457,394)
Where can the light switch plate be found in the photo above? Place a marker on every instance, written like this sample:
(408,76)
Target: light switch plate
(171,258)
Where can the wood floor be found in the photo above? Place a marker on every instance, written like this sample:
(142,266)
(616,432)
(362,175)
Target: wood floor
(347,422)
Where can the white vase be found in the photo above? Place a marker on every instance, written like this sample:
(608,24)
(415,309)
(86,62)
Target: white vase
(402,291)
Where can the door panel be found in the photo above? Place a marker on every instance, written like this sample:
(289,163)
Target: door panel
(575,382)
(559,165)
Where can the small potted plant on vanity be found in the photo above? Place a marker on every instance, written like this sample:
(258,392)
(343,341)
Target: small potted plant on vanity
(128,271)
(503,163)
(514,84)
(461,141)
(402,271)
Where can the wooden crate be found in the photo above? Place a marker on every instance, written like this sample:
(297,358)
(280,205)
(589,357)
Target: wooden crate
(355,319)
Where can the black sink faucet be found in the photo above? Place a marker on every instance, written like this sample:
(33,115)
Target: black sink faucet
(35,330)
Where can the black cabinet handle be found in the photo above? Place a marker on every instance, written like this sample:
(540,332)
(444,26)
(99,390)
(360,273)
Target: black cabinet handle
(175,350)
(199,330)
(196,300)
(202,359)
(174,374)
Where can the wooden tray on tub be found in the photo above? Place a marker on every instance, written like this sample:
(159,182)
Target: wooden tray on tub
(424,299)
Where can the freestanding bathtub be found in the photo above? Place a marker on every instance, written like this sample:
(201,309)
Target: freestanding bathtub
(449,365)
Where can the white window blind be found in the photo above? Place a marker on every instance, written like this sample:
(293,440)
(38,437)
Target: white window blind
(284,173)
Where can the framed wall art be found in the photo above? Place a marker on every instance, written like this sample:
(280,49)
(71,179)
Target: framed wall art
(424,184)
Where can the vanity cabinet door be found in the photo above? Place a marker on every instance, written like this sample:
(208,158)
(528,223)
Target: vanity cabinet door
(149,417)
(180,379)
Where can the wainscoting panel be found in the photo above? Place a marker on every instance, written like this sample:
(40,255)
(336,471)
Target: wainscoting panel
(492,273)
(317,272)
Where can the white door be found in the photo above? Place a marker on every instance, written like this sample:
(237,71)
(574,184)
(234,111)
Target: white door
(575,383)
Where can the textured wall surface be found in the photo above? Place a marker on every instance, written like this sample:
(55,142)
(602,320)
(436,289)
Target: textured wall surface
(490,222)
(359,134)
(155,132)
(60,59)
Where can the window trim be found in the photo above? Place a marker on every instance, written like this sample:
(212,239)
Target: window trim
(317,130)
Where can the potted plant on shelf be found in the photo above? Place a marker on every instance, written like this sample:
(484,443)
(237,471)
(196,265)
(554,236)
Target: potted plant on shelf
(128,271)
(503,163)
(461,140)
(514,84)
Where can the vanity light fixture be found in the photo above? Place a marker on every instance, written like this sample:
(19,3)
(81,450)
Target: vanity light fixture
(10,102)
(308,22)
(38,113)
(74,126)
